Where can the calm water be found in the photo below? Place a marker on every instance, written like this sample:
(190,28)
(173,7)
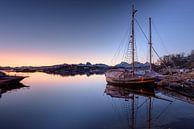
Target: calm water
(81,102)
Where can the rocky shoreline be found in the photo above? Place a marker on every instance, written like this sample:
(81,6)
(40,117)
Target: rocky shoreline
(76,69)
(66,69)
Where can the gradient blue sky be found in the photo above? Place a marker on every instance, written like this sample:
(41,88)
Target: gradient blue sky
(45,32)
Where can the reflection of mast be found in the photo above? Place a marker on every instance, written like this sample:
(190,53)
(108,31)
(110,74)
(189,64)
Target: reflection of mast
(132,93)
(133,113)
(150,113)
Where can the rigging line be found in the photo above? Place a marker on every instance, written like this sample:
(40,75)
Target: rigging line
(161,60)
(148,41)
(117,53)
(152,47)
(145,35)
(125,52)
(160,38)
(141,29)
(142,18)
(136,111)
(142,32)
(136,51)
(147,53)
(163,111)
(164,116)
(132,2)
(126,110)
(142,104)
(162,41)
(119,47)
(125,49)
(124,44)
(115,109)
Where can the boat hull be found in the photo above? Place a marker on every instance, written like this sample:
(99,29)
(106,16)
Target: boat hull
(11,79)
(147,82)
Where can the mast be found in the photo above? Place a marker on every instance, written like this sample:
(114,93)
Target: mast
(133,16)
(150,42)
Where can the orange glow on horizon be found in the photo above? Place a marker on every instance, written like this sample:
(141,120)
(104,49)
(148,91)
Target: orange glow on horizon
(42,59)
(16,59)
(20,59)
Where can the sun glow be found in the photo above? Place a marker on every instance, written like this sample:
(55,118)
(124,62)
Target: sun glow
(16,59)
(28,59)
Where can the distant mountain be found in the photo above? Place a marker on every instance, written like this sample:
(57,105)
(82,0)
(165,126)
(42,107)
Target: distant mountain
(123,65)
(64,69)
(101,65)
(136,64)
(73,69)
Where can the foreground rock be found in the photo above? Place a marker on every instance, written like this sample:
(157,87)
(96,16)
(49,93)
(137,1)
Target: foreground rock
(182,83)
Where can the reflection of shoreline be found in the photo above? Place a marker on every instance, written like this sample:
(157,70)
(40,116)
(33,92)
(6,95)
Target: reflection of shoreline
(11,87)
(75,74)
(177,95)
(65,72)
(148,97)
(67,69)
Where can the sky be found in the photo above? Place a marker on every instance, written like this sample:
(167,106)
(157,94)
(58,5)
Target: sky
(48,32)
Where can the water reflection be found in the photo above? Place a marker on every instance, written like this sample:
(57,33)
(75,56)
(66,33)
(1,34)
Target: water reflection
(136,98)
(11,87)
(81,102)
(173,94)
(131,96)
(127,92)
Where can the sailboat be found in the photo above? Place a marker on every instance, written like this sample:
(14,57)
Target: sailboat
(130,77)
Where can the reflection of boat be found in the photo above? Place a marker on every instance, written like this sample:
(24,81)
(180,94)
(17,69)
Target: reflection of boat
(10,87)
(132,95)
(5,79)
(131,76)
(126,92)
